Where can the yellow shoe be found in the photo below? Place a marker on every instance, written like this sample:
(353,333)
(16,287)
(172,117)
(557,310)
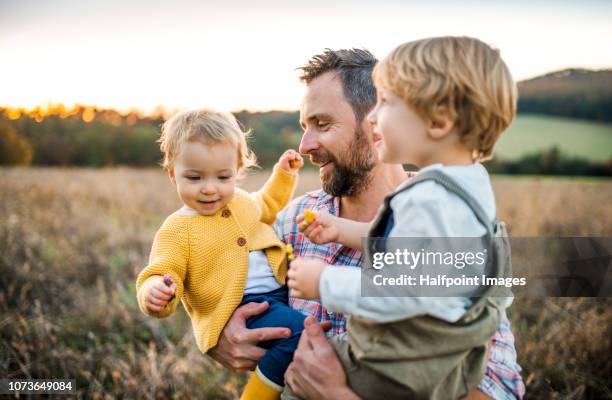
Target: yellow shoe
(261,388)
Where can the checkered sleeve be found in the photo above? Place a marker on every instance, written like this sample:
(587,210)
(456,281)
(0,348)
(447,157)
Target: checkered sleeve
(286,228)
(502,380)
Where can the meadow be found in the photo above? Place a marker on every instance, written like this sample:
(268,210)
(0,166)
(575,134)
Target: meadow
(73,240)
(530,134)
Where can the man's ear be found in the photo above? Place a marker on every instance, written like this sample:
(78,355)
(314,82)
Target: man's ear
(172,176)
(441,125)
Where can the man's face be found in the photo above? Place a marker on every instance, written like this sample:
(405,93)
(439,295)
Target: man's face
(332,138)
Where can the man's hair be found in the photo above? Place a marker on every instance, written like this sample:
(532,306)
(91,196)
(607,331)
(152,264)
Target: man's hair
(354,67)
(461,75)
(207,126)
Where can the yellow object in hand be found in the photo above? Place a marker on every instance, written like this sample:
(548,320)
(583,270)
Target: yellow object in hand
(310,216)
(289,250)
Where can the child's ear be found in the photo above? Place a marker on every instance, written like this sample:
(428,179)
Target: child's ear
(172,176)
(440,126)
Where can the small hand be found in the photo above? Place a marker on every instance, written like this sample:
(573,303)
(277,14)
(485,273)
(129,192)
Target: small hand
(291,161)
(168,282)
(322,230)
(158,294)
(303,278)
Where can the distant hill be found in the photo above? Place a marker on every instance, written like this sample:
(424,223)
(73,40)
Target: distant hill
(573,93)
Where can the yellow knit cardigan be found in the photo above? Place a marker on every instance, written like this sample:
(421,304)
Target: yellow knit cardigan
(207,256)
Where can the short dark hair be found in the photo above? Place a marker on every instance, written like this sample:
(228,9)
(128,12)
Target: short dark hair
(354,66)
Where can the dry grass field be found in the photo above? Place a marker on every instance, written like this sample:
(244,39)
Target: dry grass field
(73,240)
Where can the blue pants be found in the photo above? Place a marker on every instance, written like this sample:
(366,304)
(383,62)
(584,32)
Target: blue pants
(279,352)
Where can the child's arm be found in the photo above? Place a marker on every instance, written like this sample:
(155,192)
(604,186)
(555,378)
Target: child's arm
(278,189)
(339,287)
(327,228)
(169,255)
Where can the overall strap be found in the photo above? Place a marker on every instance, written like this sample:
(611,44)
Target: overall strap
(379,222)
(451,185)
(500,265)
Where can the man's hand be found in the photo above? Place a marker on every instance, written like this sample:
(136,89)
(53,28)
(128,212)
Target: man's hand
(322,230)
(237,348)
(316,372)
(303,278)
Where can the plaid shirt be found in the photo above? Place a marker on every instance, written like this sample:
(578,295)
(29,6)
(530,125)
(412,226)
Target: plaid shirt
(502,378)
(333,254)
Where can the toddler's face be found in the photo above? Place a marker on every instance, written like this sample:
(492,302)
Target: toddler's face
(205,175)
(400,134)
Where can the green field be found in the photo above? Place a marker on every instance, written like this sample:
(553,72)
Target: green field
(531,133)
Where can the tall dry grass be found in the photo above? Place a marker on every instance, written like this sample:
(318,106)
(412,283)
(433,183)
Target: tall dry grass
(72,242)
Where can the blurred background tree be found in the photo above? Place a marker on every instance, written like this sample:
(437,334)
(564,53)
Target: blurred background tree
(14,148)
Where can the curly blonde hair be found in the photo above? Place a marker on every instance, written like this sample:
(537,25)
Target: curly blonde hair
(461,75)
(209,126)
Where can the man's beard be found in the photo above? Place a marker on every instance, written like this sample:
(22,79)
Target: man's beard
(351,170)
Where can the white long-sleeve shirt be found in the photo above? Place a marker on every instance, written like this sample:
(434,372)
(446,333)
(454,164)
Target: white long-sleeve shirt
(426,210)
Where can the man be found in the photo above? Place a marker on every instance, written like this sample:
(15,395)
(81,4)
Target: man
(337,137)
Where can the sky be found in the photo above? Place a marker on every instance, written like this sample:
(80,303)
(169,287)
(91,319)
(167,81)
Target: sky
(235,55)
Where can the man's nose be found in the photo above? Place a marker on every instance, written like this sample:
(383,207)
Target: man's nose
(309,142)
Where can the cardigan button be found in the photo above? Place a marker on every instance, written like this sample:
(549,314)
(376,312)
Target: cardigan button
(226,213)
(241,241)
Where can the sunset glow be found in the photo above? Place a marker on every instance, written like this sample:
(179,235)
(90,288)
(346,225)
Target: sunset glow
(242,55)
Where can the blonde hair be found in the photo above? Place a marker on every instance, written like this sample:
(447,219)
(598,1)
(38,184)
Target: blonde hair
(460,75)
(208,126)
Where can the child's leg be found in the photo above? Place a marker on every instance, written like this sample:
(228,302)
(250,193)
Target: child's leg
(258,389)
(271,368)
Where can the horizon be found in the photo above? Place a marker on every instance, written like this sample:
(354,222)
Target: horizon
(140,56)
(63,110)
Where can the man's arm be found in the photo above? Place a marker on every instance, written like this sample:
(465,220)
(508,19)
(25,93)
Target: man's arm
(237,348)
(316,371)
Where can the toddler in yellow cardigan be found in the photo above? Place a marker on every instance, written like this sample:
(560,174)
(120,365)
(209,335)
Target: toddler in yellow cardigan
(219,249)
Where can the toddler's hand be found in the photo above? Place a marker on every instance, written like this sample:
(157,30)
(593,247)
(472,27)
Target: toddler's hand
(303,278)
(291,161)
(320,231)
(158,295)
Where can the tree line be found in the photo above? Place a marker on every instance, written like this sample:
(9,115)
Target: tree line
(87,137)
(109,138)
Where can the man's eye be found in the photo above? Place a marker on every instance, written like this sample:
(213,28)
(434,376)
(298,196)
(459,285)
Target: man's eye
(323,125)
